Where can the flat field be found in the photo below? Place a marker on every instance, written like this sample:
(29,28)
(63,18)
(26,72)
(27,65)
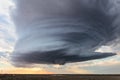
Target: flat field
(57,77)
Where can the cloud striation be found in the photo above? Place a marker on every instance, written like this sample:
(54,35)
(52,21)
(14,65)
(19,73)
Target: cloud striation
(62,31)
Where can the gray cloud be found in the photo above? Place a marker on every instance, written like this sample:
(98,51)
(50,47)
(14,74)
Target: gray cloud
(108,69)
(2,54)
(59,32)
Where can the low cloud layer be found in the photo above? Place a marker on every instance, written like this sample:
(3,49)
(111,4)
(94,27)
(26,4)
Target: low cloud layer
(59,32)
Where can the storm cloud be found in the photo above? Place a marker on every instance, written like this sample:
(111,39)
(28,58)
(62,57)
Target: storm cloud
(63,31)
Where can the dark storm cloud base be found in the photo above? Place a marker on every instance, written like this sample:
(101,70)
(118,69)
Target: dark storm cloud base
(59,57)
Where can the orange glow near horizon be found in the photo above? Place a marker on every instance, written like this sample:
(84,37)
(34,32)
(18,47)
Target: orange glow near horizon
(25,71)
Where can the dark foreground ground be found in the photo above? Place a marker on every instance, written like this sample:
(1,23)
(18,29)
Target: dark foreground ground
(58,77)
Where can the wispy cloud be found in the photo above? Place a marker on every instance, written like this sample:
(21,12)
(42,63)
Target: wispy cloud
(7,30)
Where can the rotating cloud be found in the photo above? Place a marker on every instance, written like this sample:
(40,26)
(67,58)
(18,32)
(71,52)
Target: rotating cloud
(62,31)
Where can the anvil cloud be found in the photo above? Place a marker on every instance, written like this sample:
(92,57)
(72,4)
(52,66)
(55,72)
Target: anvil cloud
(62,31)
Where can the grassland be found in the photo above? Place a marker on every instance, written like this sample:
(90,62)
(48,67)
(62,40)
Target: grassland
(58,77)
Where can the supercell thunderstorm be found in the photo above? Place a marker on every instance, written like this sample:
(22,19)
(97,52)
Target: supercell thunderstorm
(62,31)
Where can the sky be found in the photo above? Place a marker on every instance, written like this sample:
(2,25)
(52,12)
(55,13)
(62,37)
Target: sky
(9,38)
